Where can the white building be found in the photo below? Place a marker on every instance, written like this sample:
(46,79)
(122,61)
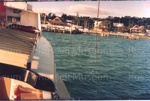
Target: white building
(97,24)
(17,12)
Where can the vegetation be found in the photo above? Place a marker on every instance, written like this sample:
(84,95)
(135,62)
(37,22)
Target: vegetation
(88,22)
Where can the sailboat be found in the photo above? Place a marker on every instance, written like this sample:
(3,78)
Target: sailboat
(27,68)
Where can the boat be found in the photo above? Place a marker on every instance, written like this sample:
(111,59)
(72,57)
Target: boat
(27,68)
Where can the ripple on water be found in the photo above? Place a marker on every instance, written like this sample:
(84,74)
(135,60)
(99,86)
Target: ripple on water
(119,69)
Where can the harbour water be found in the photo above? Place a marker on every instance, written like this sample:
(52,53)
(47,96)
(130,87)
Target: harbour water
(109,68)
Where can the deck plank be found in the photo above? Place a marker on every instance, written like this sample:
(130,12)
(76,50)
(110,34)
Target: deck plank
(15,46)
(15,39)
(19,34)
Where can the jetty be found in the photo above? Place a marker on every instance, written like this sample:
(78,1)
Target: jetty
(100,32)
(63,29)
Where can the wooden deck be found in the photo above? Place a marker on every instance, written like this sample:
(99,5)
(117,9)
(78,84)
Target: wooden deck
(16,46)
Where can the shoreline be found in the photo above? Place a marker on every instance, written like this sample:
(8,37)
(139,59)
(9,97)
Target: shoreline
(117,34)
(127,35)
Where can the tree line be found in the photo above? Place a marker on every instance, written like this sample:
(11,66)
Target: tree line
(127,21)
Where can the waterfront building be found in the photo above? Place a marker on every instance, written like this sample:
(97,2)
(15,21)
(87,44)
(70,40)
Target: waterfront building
(137,29)
(118,26)
(57,21)
(97,24)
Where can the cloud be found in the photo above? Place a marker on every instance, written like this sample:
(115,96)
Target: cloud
(87,10)
(82,9)
(48,10)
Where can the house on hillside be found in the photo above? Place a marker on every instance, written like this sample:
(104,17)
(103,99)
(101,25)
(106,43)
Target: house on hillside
(118,27)
(118,24)
(137,29)
(103,25)
(57,21)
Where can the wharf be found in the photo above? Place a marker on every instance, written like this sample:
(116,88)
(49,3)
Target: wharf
(62,29)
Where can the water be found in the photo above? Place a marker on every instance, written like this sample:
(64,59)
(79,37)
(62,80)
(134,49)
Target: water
(118,69)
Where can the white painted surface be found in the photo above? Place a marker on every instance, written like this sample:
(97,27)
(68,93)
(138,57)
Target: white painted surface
(29,19)
(39,22)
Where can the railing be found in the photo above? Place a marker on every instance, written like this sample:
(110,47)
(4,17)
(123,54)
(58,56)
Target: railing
(32,52)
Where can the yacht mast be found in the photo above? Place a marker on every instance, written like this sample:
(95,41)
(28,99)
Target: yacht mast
(97,46)
(97,20)
(98,9)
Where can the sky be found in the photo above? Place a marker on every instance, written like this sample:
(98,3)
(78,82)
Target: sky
(90,8)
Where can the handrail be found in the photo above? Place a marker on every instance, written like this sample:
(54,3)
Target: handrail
(32,52)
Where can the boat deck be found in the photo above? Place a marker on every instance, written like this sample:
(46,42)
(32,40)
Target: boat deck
(16,46)
(15,49)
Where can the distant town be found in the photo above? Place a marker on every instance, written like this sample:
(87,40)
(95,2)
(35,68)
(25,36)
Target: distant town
(115,24)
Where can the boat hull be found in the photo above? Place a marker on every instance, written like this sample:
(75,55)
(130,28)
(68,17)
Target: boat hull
(43,64)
